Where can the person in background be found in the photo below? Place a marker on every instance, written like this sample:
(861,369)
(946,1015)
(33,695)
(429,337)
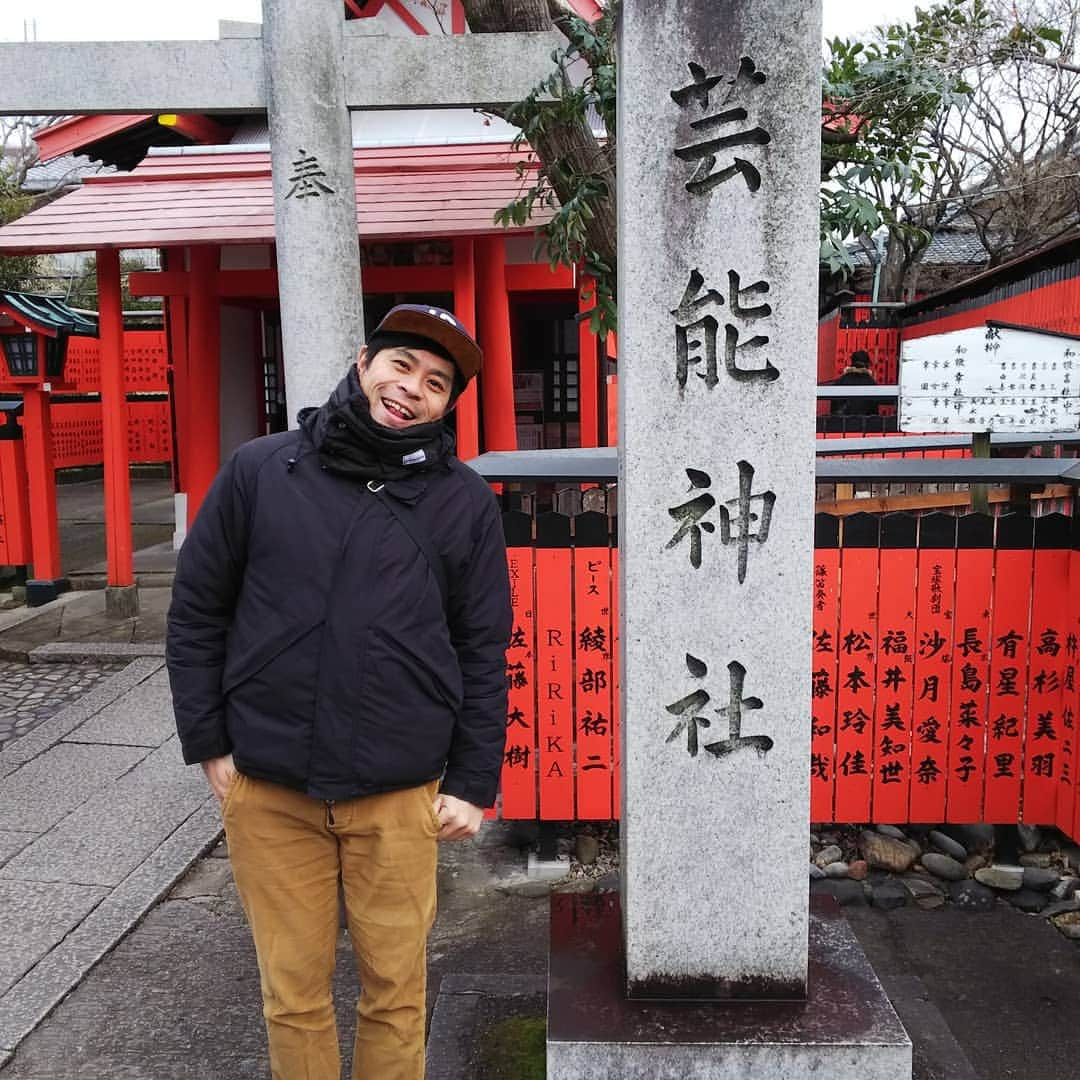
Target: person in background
(857,373)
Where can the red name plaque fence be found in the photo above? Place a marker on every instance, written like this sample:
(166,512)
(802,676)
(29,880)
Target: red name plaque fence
(76,425)
(943,670)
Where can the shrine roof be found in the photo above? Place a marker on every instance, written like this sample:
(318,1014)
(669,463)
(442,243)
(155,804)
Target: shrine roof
(48,313)
(176,198)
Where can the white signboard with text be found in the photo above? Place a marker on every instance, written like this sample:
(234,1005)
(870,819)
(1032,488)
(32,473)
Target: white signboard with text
(993,378)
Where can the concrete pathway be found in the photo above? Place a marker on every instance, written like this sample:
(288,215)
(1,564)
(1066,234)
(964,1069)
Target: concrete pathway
(98,818)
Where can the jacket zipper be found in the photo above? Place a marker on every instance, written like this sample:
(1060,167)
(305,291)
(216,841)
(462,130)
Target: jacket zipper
(329,811)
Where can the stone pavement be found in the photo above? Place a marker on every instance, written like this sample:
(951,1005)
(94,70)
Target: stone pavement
(98,818)
(29,694)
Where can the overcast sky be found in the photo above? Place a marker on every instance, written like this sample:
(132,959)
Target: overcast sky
(115,20)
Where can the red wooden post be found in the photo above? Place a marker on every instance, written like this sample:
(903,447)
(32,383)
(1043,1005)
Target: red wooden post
(467,409)
(520,760)
(14,501)
(203,409)
(1008,668)
(857,647)
(554,663)
(970,667)
(588,369)
(497,378)
(41,483)
(114,422)
(824,666)
(933,658)
(592,663)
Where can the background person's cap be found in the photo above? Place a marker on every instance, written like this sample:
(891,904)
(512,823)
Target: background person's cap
(437,325)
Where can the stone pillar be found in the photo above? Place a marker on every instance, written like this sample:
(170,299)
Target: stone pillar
(318,254)
(718,205)
(718,179)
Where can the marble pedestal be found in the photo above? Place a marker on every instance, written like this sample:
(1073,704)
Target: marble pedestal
(845,1029)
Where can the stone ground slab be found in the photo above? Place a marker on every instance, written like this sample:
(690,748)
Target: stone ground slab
(846,1028)
(36,917)
(54,729)
(451,1035)
(11,843)
(111,834)
(29,696)
(47,788)
(190,966)
(142,717)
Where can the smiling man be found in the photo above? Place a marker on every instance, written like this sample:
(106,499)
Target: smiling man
(336,648)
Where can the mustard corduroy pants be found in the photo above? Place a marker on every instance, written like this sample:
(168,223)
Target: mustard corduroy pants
(288,852)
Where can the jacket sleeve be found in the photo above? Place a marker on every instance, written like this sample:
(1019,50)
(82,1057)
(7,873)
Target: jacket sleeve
(480,623)
(209,573)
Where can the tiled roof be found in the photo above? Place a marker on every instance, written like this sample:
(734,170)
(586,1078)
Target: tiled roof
(949,247)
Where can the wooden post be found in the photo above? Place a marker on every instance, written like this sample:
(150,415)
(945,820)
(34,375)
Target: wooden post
(980,448)
(121,596)
(588,369)
(497,378)
(203,412)
(467,409)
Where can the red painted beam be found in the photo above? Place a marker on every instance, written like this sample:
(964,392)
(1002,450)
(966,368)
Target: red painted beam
(71,135)
(197,128)
(538,277)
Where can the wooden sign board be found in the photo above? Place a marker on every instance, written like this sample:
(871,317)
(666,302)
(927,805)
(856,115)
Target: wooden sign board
(990,378)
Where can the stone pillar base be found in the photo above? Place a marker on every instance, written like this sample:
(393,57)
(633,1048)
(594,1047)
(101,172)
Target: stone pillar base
(44,590)
(845,1029)
(122,601)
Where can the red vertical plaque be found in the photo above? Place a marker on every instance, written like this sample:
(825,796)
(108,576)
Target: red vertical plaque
(857,655)
(554,667)
(895,669)
(1047,670)
(823,659)
(592,665)
(616,737)
(519,758)
(1008,668)
(970,668)
(931,681)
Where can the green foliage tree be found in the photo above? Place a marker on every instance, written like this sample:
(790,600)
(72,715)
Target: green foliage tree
(893,159)
(82,292)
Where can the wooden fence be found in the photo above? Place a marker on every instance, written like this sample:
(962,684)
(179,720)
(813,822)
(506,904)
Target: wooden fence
(943,675)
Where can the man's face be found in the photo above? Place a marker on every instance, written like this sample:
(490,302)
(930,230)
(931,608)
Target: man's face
(405,386)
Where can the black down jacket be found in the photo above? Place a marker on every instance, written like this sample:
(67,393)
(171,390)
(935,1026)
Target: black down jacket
(308,635)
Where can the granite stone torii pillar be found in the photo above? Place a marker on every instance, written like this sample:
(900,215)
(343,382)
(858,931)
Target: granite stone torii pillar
(309,69)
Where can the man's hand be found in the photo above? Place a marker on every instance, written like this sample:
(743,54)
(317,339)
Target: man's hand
(219,774)
(459,819)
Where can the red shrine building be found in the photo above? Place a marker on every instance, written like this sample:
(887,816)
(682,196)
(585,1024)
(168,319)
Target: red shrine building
(428,183)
